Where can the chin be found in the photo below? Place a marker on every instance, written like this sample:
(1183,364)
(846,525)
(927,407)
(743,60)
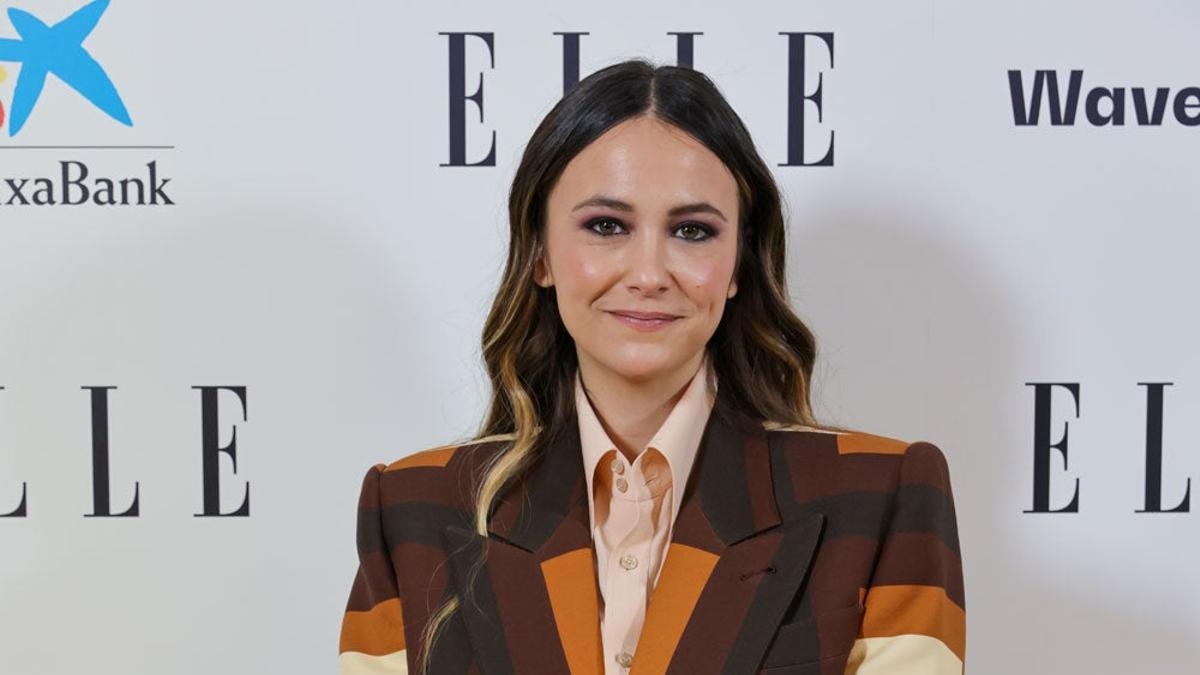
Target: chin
(643,364)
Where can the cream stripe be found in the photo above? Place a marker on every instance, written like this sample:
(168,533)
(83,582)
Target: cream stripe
(772,425)
(902,655)
(357,663)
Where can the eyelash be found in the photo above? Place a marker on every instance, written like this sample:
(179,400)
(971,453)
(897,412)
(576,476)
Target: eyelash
(708,231)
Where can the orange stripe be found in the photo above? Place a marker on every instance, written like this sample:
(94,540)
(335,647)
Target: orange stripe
(571,584)
(432,457)
(377,631)
(905,609)
(864,442)
(440,455)
(685,572)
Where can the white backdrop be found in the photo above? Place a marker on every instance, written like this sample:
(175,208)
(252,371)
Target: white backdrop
(320,255)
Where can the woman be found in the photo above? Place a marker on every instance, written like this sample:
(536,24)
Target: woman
(650,492)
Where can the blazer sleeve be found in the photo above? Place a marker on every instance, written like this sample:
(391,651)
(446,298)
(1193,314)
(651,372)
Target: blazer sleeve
(914,618)
(372,635)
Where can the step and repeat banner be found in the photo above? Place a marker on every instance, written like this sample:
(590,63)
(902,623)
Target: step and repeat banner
(246,249)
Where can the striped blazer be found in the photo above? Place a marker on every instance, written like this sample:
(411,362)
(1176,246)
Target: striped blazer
(795,552)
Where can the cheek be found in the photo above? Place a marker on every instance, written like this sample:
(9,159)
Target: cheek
(582,272)
(707,279)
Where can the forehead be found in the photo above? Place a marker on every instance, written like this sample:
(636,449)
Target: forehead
(649,163)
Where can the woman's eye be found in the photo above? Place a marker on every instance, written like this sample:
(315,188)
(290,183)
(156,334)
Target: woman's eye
(597,221)
(701,232)
(605,227)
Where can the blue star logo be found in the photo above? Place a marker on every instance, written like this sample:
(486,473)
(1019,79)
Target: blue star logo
(58,50)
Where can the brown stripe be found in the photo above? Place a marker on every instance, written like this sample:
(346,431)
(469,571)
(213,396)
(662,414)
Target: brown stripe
(913,609)
(758,480)
(838,574)
(921,559)
(488,625)
(373,583)
(571,583)
(422,485)
(685,572)
(818,471)
(926,464)
(377,631)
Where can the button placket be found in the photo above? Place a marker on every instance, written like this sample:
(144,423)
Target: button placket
(626,572)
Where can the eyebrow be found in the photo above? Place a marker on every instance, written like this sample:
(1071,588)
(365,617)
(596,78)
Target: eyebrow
(617,204)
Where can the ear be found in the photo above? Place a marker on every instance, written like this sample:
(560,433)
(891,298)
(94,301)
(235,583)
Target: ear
(541,272)
(732,289)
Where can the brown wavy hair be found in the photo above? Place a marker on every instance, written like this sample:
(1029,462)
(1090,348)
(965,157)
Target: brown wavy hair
(762,352)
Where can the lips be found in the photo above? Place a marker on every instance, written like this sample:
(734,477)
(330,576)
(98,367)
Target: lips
(644,316)
(644,321)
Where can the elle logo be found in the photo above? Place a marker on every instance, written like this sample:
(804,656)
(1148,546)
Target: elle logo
(1154,450)
(210,454)
(801,102)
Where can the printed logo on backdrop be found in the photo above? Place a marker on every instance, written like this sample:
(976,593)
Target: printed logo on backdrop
(27,62)
(1102,105)
(211,492)
(1154,484)
(802,104)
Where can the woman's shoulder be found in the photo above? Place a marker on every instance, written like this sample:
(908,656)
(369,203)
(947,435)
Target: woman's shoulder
(888,452)
(443,474)
(448,454)
(843,439)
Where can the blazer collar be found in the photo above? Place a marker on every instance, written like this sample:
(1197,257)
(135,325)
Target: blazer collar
(731,481)
(729,574)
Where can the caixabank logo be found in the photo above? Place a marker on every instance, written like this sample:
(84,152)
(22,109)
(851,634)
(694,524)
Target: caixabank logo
(39,51)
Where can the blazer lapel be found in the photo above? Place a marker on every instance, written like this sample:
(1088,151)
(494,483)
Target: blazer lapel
(535,606)
(732,566)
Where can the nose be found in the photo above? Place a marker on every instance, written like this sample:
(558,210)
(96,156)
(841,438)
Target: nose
(648,263)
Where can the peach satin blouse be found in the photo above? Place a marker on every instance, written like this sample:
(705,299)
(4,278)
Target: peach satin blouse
(633,507)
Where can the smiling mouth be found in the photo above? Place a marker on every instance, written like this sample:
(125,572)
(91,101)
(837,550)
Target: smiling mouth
(644,322)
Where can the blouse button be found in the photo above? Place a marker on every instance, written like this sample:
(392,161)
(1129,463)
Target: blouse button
(625,659)
(617,467)
(629,561)
(622,484)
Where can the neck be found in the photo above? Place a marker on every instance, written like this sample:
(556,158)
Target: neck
(632,410)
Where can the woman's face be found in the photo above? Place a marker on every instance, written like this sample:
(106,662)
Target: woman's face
(643,220)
